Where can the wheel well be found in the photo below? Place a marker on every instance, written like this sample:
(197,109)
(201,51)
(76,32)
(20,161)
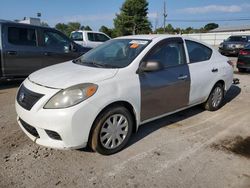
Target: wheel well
(221,82)
(127,105)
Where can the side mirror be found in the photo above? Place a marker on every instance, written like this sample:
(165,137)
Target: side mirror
(151,66)
(73,47)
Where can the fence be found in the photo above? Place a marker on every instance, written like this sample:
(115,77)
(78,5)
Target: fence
(215,38)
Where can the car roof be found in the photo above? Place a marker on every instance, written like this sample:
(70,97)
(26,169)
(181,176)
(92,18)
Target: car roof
(23,24)
(149,36)
(87,31)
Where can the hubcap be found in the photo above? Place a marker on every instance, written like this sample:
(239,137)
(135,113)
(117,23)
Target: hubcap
(114,131)
(217,97)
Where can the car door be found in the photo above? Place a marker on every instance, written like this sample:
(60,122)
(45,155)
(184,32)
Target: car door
(21,53)
(57,48)
(165,90)
(203,71)
(95,39)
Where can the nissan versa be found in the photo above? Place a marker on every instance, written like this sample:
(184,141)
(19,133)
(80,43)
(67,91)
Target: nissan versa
(101,98)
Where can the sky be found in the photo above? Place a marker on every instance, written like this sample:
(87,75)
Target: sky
(96,13)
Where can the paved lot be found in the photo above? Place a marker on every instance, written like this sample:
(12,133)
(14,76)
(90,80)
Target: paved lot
(193,148)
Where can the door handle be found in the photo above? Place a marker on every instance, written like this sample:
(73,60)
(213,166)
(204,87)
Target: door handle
(12,52)
(182,77)
(214,70)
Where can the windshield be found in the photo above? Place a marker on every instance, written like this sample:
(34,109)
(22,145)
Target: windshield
(76,36)
(116,53)
(237,39)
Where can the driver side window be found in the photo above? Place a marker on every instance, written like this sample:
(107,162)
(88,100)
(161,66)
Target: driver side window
(55,40)
(167,54)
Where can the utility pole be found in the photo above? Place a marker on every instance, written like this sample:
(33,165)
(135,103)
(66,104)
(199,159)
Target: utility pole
(164,16)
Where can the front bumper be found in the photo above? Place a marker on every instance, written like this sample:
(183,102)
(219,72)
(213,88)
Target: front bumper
(71,124)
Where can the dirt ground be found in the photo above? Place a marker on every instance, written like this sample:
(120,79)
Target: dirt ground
(193,148)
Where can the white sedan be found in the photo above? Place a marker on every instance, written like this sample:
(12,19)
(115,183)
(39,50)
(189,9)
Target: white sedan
(103,97)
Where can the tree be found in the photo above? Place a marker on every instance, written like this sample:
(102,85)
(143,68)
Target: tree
(62,27)
(74,26)
(107,31)
(132,18)
(211,26)
(87,28)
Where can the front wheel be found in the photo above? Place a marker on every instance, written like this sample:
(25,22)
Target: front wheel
(111,130)
(215,98)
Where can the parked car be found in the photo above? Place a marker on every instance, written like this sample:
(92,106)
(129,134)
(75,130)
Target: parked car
(26,48)
(234,44)
(90,39)
(106,94)
(243,62)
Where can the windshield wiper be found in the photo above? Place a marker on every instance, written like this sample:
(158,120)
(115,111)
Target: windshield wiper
(93,63)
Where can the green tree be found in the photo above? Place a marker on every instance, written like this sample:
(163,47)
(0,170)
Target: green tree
(62,27)
(107,31)
(169,29)
(74,26)
(87,28)
(210,26)
(132,18)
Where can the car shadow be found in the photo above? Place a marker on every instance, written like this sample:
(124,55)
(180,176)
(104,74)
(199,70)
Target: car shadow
(232,93)
(10,84)
(153,126)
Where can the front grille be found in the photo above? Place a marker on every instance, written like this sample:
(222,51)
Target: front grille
(26,98)
(29,128)
(54,135)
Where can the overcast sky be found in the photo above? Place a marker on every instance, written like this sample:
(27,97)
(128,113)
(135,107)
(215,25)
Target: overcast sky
(102,12)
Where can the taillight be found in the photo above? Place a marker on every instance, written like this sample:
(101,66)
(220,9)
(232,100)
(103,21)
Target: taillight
(240,63)
(243,52)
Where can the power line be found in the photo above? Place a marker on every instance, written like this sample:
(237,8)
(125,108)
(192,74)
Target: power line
(209,20)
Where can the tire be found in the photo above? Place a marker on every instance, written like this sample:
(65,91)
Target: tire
(215,98)
(241,69)
(106,128)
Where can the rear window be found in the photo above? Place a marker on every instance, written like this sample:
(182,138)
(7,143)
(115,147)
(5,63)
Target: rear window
(198,52)
(22,36)
(76,36)
(237,39)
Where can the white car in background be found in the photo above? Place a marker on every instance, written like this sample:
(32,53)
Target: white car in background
(89,39)
(106,94)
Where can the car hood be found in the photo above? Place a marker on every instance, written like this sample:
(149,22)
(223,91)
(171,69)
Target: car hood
(67,74)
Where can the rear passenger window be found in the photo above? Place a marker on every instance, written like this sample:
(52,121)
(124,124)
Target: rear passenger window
(101,37)
(168,54)
(91,37)
(97,37)
(198,52)
(22,36)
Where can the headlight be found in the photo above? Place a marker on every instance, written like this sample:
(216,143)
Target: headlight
(71,96)
(221,45)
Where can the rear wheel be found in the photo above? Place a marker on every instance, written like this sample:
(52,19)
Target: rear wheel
(215,98)
(112,130)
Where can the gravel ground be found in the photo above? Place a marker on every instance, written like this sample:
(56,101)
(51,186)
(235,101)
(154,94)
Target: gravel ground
(193,148)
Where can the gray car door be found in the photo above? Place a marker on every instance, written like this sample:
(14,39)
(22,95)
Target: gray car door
(167,89)
(21,53)
(57,48)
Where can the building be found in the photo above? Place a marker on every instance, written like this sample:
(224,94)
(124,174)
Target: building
(241,28)
(32,21)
